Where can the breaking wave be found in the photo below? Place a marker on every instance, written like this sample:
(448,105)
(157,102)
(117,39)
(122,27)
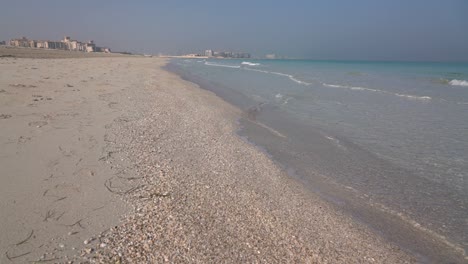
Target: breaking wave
(250,63)
(414,97)
(353,88)
(291,77)
(458,82)
(256,70)
(357,88)
(221,65)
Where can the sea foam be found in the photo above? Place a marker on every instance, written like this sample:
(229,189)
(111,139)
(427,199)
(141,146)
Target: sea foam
(250,63)
(357,88)
(414,97)
(221,65)
(458,82)
(250,69)
(353,88)
(291,77)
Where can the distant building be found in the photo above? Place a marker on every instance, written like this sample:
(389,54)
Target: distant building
(65,44)
(2,43)
(47,44)
(270,56)
(41,44)
(90,46)
(208,53)
(32,44)
(229,54)
(21,42)
(241,55)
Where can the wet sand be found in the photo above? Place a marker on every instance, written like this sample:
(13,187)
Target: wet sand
(146,167)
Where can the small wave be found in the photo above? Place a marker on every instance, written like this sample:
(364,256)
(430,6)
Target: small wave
(221,65)
(353,88)
(334,85)
(281,74)
(335,141)
(287,100)
(458,82)
(256,70)
(357,88)
(294,79)
(414,97)
(291,77)
(280,98)
(275,132)
(250,63)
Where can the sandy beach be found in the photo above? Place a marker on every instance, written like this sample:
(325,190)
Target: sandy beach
(38,53)
(116,160)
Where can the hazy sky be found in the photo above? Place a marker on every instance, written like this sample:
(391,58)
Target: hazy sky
(321,29)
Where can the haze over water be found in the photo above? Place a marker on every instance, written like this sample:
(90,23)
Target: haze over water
(417,30)
(393,134)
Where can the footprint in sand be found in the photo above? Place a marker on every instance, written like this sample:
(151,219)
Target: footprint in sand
(37,97)
(22,139)
(112,105)
(38,124)
(22,85)
(18,85)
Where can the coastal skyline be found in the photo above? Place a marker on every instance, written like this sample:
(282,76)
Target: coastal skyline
(338,30)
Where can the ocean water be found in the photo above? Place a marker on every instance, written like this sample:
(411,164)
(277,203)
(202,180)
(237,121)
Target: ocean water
(385,141)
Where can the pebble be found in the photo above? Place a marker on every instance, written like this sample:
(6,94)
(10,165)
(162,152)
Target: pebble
(87,241)
(206,203)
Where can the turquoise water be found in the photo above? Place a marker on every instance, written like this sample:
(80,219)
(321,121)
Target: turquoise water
(396,133)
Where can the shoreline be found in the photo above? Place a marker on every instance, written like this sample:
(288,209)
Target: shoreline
(198,192)
(389,223)
(211,203)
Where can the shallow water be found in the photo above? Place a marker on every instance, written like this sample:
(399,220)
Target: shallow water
(390,135)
